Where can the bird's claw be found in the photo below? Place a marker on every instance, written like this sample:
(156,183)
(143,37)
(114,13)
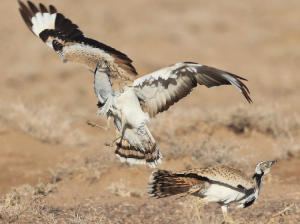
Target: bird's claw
(111,144)
(90,123)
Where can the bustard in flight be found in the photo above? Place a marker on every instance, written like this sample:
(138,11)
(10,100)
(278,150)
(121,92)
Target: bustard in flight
(130,101)
(220,184)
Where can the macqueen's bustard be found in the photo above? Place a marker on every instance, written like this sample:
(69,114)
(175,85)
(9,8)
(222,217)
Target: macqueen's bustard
(131,102)
(221,184)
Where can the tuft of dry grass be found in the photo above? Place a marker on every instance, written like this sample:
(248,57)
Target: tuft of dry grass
(49,124)
(25,201)
(18,193)
(266,118)
(27,204)
(207,152)
(202,151)
(34,209)
(124,189)
(209,217)
(288,150)
(76,172)
(269,119)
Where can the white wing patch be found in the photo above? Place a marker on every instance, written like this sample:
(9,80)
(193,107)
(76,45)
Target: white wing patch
(43,21)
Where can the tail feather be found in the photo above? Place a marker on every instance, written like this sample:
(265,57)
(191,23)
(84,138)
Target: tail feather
(165,183)
(126,152)
(141,149)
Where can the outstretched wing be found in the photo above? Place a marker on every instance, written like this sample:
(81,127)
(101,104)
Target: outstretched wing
(222,174)
(161,89)
(71,44)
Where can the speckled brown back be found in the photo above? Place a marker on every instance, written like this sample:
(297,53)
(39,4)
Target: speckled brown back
(223,174)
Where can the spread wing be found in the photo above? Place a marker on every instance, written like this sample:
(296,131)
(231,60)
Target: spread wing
(71,44)
(223,174)
(161,89)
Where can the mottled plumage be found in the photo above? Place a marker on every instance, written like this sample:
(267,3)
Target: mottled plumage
(221,184)
(131,102)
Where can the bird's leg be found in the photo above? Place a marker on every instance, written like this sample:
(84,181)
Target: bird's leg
(123,125)
(200,201)
(106,128)
(225,214)
(111,144)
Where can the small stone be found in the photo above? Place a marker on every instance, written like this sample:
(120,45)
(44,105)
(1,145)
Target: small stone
(281,220)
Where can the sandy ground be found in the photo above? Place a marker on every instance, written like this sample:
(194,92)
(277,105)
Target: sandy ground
(258,40)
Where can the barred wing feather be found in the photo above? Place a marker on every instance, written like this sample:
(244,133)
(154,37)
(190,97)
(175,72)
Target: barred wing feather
(161,89)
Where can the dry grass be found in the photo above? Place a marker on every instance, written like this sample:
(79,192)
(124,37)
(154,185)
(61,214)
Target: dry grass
(124,188)
(266,118)
(286,150)
(48,124)
(207,217)
(201,149)
(27,204)
(76,172)
(34,209)
(207,152)
(269,119)
(25,200)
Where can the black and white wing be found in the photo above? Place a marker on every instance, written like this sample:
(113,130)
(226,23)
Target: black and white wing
(161,89)
(71,44)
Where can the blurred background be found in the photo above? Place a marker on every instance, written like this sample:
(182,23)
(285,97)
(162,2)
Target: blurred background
(45,103)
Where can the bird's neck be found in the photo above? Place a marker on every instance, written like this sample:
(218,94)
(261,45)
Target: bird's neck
(258,178)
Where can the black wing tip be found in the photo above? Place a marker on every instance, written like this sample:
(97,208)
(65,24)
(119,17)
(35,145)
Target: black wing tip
(52,9)
(245,91)
(43,8)
(32,6)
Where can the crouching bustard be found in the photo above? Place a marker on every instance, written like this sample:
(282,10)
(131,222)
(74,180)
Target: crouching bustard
(221,184)
(130,101)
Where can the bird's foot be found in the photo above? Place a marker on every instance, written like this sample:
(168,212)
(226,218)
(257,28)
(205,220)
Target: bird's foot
(110,144)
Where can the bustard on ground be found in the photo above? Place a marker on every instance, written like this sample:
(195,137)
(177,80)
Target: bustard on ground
(130,101)
(220,184)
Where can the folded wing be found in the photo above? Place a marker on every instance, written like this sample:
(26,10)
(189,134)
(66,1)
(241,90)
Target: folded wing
(222,174)
(161,89)
(71,44)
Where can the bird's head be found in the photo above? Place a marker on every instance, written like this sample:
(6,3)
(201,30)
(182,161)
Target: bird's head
(264,167)
(102,66)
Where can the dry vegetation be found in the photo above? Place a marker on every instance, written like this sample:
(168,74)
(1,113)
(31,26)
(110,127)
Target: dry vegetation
(28,204)
(269,119)
(124,188)
(288,150)
(85,182)
(46,123)
(201,149)
(26,201)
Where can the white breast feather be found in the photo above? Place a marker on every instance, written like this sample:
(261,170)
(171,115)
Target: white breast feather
(222,193)
(130,108)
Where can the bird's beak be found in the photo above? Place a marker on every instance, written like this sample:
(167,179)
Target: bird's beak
(273,162)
